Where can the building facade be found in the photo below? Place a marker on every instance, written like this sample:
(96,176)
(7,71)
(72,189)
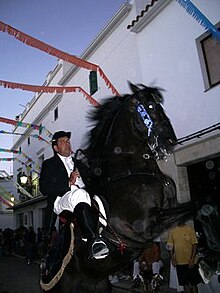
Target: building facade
(6,202)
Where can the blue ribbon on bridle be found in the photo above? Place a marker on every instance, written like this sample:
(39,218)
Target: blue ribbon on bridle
(145,117)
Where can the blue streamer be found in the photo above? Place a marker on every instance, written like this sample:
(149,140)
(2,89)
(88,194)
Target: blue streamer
(200,17)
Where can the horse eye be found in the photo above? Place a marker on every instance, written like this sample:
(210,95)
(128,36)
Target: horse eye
(151,106)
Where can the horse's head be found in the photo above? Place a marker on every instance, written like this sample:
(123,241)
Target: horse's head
(150,122)
(125,124)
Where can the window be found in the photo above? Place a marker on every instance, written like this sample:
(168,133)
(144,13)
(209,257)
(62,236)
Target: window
(93,83)
(209,55)
(56,114)
(40,129)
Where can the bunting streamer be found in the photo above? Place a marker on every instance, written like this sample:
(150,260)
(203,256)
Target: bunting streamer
(13,159)
(7,195)
(10,151)
(10,205)
(48,89)
(200,17)
(23,163)
(17,152)
(37,170)
(30,41)
(29,160)
(22,134)
(26,125)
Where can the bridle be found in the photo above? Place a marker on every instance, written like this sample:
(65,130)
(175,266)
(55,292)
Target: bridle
(151,127)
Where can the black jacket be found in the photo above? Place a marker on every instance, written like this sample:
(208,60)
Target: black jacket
(54,181)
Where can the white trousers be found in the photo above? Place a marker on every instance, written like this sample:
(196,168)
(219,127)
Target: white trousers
(70,199)
(156,266)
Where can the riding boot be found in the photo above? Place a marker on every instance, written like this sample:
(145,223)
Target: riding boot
(85,219)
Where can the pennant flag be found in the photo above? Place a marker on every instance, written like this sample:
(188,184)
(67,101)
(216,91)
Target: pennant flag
(48,89)
(30,41)
(200,17)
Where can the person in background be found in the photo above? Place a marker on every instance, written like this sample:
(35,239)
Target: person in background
(182,245)
(149,261)
(30,244)
(62,184)
(40,242)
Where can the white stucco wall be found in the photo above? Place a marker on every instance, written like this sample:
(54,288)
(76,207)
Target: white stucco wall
(6,220)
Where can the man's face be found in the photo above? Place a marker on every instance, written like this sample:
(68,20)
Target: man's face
(63,146)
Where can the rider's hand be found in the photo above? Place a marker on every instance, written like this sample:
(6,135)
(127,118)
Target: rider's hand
(73,176)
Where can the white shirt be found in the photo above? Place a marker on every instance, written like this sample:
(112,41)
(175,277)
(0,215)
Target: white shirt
(69,165)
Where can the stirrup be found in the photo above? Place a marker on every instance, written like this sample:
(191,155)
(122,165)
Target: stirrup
(102,252)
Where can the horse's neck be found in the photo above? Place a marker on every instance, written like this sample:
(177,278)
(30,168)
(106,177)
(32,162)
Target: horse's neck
(133,157)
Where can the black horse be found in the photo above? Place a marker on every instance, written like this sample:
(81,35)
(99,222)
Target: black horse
(119,164)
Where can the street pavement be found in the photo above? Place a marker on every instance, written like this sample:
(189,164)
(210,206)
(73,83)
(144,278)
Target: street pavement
(16,276)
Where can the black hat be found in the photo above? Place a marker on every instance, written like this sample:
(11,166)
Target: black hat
(59,134)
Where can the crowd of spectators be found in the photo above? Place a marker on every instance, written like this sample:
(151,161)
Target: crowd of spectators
(22,241)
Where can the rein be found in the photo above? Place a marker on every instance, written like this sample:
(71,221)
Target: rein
(124,242)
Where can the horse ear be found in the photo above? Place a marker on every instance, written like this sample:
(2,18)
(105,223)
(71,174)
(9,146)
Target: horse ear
(134,88)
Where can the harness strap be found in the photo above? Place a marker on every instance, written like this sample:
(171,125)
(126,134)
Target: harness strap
(127,174)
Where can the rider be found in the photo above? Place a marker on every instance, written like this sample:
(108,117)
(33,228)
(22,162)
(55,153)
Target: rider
(65,192)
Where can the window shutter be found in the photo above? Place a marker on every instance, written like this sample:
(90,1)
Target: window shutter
(211,49)
(93,82)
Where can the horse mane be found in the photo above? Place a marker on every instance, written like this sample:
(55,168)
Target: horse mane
(100,118)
